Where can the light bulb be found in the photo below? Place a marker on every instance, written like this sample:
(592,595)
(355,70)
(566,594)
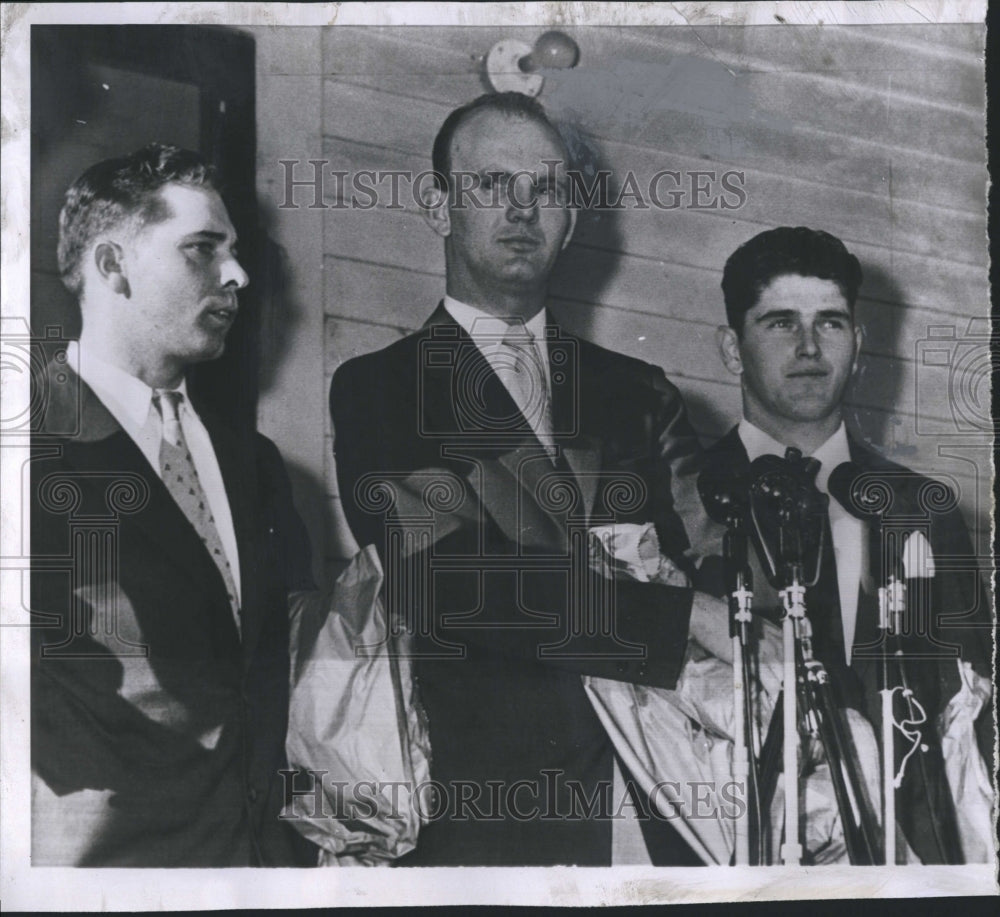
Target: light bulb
(552,51)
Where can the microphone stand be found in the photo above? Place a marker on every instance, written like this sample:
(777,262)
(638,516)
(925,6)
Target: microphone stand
(725,502)
(891,605)
(734,551)
(776,485)
(793,601)
(788,486)
(919,572)
(910,564)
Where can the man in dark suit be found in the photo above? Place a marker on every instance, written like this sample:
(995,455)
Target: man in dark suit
(474,454)
(792,340)
(164,547)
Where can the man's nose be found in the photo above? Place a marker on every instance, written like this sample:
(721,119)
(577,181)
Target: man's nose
(522,202)
(808,342)
(233,273)
(519,213)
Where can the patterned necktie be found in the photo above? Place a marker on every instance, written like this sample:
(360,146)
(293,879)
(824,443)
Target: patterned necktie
(181,478)
(523,373)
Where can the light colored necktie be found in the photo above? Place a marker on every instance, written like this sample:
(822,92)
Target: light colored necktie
(524,375)
(179,474)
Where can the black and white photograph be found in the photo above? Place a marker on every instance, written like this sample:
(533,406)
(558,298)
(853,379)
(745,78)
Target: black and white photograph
(549,440)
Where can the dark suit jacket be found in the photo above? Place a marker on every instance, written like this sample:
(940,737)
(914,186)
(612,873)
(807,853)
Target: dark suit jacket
(157,733)
(502,635)
(924,807)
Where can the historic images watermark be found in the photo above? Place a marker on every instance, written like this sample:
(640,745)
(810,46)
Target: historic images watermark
(321,187)
(549,797)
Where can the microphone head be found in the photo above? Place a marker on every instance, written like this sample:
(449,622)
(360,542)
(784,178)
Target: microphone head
(786,516)
(724,495)
(810,468)
(862,494)
(793,454)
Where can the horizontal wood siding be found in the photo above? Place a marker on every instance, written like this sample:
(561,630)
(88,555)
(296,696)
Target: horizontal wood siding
(872,133)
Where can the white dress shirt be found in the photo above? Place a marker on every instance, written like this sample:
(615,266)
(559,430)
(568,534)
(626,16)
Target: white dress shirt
(849,533)
(130,402)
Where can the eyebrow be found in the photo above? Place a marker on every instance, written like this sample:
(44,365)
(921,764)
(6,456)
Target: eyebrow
(792,313)
(775,313)
(210,235)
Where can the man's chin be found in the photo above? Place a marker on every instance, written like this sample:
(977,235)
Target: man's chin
(806,412)
(523,274)
(210,350)
(813,397)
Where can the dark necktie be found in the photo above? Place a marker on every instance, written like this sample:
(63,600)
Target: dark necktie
(181,478)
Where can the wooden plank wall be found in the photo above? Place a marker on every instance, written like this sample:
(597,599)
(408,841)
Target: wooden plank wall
(872,133)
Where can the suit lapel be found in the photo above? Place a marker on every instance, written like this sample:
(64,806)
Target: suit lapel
(101,447)
(868,642)
(729,454)
(583,452)
(239,476)
(461,395)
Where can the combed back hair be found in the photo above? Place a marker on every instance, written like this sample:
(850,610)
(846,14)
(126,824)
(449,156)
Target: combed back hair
(511,104)
(781,251)
(122,192)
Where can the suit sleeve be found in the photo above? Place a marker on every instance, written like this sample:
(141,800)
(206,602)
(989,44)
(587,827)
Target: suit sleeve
(682,525)
(296,552)
(638,634)
(967,616)
(356,448)
(622,630)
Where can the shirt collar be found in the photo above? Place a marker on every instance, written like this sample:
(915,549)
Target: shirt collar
(127,397)
(484,328)
(832,453)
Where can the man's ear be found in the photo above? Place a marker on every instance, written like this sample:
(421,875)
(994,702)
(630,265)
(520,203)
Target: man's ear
(572,226)
(729,349)
(436,214)
(859,339)
(109,259)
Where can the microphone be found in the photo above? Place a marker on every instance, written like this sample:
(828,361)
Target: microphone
(897,493)
(724,495)
(868,496)
(864,495)
(787,513)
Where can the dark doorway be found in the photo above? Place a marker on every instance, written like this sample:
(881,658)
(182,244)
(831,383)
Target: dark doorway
(101,91)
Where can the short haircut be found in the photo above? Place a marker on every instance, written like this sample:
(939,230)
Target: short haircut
(781,251)
(122,191)
(511,104)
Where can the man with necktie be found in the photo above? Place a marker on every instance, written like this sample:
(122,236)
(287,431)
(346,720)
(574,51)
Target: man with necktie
(792,339)
(164,547)
(474,454)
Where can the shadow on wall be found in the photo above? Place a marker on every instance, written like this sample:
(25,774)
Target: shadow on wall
(280,312)
(709,419)
(316,509)
(584,269)
(885,373)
